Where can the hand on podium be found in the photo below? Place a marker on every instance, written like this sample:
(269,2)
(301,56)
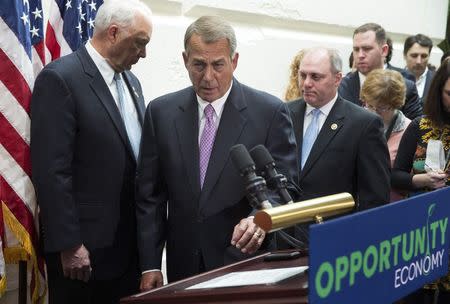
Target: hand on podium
(247,236)
(151,279)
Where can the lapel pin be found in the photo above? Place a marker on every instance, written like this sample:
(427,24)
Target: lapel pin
(334,126)
(135,93)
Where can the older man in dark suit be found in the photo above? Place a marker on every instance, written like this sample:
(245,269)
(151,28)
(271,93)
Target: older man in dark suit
(87,111)
(185,161)
(341,146)
(369,50)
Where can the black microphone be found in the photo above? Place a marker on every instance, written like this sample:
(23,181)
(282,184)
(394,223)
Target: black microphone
(255,185)
(266,165)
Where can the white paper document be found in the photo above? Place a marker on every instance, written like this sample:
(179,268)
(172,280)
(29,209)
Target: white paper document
(254,277)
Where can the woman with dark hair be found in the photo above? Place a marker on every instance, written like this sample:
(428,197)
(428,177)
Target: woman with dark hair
(410,173)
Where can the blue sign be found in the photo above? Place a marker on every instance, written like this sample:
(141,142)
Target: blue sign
(380,255)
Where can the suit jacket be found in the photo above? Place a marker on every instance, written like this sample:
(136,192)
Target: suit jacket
(200,223)
(350,88)
(83,165)
(429,78)
(349,155)
(405,73)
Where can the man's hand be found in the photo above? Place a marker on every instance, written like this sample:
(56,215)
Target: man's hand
(76,263)
(247,236)
(150,280)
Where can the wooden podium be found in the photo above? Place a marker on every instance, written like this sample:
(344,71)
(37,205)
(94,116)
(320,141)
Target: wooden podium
(291,290)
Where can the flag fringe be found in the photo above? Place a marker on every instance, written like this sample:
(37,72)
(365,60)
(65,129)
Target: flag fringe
(24,253)
(3,285)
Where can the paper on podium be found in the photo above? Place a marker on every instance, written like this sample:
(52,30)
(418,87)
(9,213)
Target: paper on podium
(254,277)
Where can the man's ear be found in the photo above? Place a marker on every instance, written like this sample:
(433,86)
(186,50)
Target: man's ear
(112,33)
(234,60)
(185,58)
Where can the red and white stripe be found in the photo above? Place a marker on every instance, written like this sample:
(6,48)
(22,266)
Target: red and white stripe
(55,42)
(17,74)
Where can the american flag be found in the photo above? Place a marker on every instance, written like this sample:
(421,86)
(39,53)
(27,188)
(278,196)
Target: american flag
(21,58)
(22,55)
(70,25)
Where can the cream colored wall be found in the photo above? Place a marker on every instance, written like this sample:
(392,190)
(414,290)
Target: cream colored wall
(270,32)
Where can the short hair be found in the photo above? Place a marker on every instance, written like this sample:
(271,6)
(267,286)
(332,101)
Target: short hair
(420,39)
(350,60)
(121,12)
(333,54)
(211,29)
(386,87)
(433,104)
(390,49)
(293,91)
(380,33)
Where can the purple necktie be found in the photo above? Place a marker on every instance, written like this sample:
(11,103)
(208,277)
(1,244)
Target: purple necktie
(206,141)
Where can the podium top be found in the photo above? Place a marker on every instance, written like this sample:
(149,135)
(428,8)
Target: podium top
(291,290)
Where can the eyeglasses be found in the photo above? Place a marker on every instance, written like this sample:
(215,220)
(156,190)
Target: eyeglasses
(379,110)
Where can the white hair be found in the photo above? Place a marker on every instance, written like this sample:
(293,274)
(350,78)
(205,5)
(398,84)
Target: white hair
(121,12)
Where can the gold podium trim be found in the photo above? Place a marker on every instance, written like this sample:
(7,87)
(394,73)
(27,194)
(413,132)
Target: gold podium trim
(304,211)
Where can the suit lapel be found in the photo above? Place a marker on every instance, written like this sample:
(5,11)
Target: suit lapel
(231,124)
(100,88)
(186,125)
(330,128)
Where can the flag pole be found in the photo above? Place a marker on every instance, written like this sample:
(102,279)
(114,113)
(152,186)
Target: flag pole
(22,282)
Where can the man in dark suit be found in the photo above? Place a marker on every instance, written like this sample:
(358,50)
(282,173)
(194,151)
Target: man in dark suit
(369,50)
(207,208)
(389,66)
(348,152)
(87,110)
(416,51)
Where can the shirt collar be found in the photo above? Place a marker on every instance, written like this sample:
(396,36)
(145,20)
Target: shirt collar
(216,104)
(423,76)
(325,109)
(102,65)
(362,78)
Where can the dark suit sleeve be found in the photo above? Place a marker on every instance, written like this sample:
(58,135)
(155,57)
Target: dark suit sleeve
(413,104)
(401,173)
(373,176)
(53,129)
(151,199)
(282,145)
(348,90)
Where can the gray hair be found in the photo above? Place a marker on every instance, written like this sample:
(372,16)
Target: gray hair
(333,55)
(211,29)
(120,12)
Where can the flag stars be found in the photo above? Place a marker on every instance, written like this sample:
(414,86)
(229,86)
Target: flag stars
(80,8)
(34,32)
(37,13)
(26,3)
(25,19)
(68,4)
(80,30)
(93,5)
(91,23)
(82,16)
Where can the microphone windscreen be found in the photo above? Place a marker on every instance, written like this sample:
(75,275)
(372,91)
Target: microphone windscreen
(240,157)
(261,157)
